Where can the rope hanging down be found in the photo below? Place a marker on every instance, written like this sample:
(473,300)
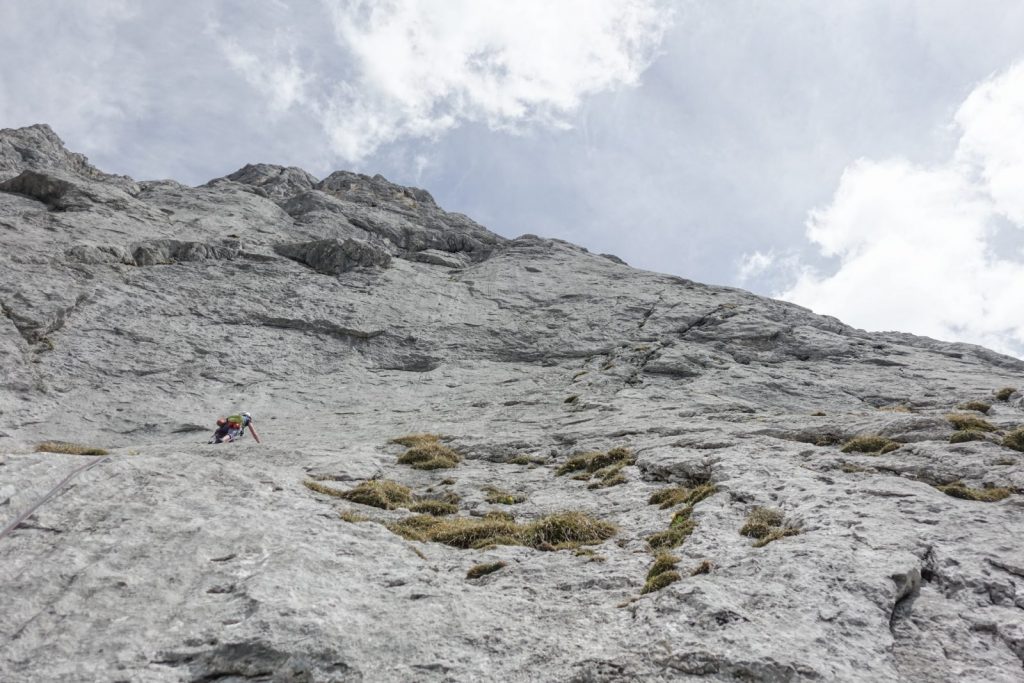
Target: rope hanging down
(28,513)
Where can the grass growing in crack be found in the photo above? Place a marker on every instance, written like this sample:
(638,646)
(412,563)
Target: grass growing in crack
(431,506)
(554,532)
(478,570)
(69,448)
(596,460)
(896,408)
(430,455)
(609,476)
(353,517)
(1005,393)
(978,406)
(704,567)
(962,421)
(766,525)
(662,563)
(1015,439)
(378,493)
(410,440)
(987,495)
(660,581)
(677,495)
(964,435)
(871,445)
(499,497)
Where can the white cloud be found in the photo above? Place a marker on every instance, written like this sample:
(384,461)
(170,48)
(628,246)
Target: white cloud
(417,68)
(918,244)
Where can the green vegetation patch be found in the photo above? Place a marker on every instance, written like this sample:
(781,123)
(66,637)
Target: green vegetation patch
(69,448)
(499,497)
(1015,439)
(964,435)
(353,517)
(1005,393)
(963,421)
(410,440)
(674,536)
(561,530)
(977,406)
(678,495)
(430,455)
(704,567)
(660,581)
(766,525)
(871,445)
(478,570)
(987,495)
(597,460)
(378,493)
(662,563)
(432,506)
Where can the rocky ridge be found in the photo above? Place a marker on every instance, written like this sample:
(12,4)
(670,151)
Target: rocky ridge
(349,311)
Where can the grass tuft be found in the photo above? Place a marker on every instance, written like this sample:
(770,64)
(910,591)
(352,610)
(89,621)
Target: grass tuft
(871,445)
(432,506)
(478,570)
(1015,439)
(1005,393)
(411,440)
(597,460)
(660,581)
(662,563)
(69,448)
(987,495)
(766,525)
(321,488)
(978,406)
(704,567)
(962,421)
(673,536)
(964,435)
(430,455)
(378,493)
(499,497)
(562,530)
(353,517)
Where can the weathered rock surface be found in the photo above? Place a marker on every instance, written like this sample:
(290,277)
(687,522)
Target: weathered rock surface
(135,313)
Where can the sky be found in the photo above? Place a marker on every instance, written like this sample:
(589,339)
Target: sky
(863,158)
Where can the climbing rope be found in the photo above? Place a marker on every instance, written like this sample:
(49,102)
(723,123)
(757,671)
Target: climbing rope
(28,513)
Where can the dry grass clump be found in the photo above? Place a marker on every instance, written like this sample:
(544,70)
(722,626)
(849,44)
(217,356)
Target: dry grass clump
(410,440)
(562,530)
(499,497)
(430,455)
(978,406)
(478,570)
(320,488)
(704,567)
(527,460)
(961,421)
(677,495)
(964,435)
(871,445)
(1015,439)
(69,448)
(1005,393)
(596,460)
(766,525)
(378,493)
(896,408)
(609,476)
(678,531)
(432,506)
(661,573)
(987,495)
(353,517)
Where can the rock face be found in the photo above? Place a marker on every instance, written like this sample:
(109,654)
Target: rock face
(135,313)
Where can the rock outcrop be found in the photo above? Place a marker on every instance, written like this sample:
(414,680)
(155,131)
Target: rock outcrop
(601,473)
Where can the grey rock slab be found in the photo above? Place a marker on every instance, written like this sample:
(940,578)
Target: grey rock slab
(142,311)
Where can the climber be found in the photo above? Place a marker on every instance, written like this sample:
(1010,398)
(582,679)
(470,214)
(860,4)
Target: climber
(232,428)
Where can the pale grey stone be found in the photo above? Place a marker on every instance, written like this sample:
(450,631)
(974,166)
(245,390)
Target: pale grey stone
(134,317)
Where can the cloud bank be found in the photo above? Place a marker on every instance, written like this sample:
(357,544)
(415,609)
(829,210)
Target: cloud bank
(930,249)
(417,68)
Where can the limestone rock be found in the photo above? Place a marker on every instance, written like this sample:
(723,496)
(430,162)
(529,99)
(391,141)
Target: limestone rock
(136,313)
